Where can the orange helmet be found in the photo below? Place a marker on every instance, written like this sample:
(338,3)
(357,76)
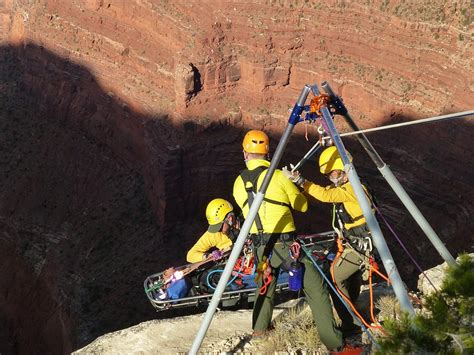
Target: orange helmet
(256,142)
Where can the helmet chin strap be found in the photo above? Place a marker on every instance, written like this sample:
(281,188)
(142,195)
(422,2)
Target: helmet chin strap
(231,221)
(246,156)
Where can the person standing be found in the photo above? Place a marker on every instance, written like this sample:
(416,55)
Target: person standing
(272,234)
(355,247)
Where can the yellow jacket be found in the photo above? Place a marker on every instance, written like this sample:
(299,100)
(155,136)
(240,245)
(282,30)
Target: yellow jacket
(275,218)
(207,241)
(342,194)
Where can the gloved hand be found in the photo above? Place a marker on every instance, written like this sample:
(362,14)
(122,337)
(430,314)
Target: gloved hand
(294,176)
(217,254)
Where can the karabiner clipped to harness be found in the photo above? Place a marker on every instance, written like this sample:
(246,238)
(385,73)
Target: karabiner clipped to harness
(296,269)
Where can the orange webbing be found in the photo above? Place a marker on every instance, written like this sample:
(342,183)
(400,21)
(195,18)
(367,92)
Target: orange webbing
(371,293)
(265,282)
(375,267)
(264,271)
(340,248)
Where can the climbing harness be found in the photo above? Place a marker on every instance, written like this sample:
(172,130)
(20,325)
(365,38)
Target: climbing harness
(250,179)
(344,215)
(264,269)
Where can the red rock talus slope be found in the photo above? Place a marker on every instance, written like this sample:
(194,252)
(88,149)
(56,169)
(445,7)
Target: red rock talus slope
(121,119)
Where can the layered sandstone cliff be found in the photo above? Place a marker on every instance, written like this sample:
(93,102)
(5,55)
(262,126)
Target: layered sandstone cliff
(121,119)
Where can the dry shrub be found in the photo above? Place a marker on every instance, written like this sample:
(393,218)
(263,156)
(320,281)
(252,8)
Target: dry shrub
(389,307)
(295,331)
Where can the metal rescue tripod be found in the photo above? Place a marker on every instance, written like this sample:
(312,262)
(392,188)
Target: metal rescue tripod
(327,123)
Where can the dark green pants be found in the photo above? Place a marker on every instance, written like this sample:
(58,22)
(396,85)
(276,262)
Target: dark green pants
(315,291)
(347,275)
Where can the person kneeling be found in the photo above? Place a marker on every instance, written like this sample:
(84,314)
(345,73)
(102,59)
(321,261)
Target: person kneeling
(223,227)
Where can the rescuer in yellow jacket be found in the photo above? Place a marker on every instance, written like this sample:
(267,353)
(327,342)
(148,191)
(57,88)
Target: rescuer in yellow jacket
(281,194)
(219,236)
(272,233)
(347,268)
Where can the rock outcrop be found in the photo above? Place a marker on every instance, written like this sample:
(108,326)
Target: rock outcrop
(120,120)
(432,279)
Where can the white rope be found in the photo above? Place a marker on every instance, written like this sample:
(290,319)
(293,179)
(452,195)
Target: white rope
(425,120)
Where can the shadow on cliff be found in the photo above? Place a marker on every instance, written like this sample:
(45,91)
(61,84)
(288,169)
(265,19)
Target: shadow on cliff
(100,196)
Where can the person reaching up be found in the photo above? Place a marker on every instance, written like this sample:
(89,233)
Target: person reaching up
(355,247)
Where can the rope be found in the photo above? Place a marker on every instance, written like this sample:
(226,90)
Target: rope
(329,283)
(346,298)
(403,246)
(237,274)
(371,294)
(374,267)
(424,120)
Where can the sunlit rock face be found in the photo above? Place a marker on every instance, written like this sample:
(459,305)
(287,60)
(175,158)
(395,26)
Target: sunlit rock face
(120,120)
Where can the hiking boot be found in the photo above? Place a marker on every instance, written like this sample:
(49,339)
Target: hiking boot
(259,334)
(348,349)
(259,338)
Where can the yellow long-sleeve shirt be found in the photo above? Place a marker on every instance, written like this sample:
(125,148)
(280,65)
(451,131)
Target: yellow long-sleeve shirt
(275,218)
(207,241)
(342,194)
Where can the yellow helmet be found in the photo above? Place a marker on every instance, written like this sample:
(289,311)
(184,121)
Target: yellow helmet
(256,142)
(216,212)
(330,160)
